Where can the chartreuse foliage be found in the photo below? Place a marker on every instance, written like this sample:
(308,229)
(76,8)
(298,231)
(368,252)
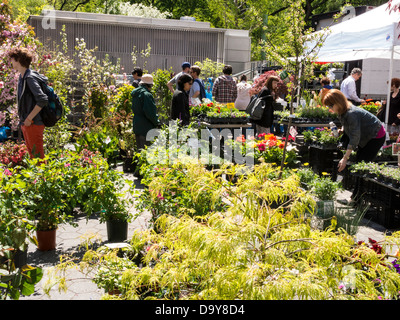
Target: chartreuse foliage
(259,246)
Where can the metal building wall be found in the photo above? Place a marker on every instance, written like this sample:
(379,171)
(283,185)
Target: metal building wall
(169,46)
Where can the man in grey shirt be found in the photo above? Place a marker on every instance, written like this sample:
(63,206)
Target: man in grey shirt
(174,80)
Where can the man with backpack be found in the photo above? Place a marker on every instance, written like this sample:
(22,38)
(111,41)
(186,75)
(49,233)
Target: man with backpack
(198,90)
(31,99)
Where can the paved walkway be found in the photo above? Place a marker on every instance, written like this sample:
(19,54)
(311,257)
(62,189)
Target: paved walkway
(71,242)
(70,239)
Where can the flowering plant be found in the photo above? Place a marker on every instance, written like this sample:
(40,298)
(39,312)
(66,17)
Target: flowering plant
(12,34)
(320,135)
(12,154)
(371,106)
(260,82)
(270,149)
(267,148)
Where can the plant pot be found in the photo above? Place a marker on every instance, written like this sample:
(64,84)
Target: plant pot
(129,165)
(325,208)
(117,231)
(20,258)
(46,239)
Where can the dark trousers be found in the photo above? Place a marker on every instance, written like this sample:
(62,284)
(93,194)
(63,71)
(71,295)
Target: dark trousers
(141,142)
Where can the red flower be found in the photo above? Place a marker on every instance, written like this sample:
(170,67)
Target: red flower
(241,139)
(261,146)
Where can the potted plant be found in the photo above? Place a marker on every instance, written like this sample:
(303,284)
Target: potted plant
(113,199)
(127,144)
(325,190)
(46,197)
(16,233)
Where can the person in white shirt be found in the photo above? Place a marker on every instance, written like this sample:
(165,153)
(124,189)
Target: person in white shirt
(348,87)
(243,97)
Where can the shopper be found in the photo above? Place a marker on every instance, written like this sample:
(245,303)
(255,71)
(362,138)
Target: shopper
(394,107)
(197,91)
(137,74)
(180,100)
(31,99)
(243,94)
(326,86)
(366,133)
(348,87)
(224,88)
(145,117)
(268,94)
(174,80)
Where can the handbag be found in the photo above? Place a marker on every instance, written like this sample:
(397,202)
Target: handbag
(256,108)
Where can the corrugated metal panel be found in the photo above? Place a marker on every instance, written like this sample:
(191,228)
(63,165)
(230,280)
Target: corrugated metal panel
(118,41)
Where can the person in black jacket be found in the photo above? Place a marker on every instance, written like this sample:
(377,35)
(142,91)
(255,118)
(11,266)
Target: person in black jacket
(394,108)
(31,99)
(268,94)
(137,74)
(180,100)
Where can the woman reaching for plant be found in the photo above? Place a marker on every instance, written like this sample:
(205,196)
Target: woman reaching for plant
(365,131)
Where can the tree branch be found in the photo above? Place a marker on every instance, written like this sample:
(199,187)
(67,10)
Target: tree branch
(279,10)
(80,3)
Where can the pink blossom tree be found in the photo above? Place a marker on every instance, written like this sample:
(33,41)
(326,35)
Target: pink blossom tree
(12,34)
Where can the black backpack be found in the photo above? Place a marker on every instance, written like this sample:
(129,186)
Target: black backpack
(54,110)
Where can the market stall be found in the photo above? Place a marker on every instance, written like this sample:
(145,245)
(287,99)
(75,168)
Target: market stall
(374,34)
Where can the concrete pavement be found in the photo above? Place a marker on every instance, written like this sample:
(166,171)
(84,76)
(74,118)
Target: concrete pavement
(70,239)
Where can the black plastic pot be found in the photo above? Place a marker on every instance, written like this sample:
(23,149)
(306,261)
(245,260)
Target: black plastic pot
(20,258)
(129,165)
(117,231)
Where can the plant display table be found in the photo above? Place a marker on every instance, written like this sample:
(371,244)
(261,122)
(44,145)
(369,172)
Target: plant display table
(307,123)
(383,197)
(226,125)
(378,191)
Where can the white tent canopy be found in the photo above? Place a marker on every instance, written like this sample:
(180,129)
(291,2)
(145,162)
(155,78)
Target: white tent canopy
(369,35)
(373,34)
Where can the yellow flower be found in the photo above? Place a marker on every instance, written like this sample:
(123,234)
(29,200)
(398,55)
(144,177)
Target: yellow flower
(325,173)
(306,164)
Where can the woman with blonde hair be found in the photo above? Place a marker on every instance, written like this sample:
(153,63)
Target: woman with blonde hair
(366,133)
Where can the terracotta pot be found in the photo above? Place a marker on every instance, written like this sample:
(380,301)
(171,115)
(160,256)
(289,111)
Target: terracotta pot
(46,240)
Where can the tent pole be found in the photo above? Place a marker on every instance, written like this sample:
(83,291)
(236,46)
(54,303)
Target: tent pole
(388,87)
